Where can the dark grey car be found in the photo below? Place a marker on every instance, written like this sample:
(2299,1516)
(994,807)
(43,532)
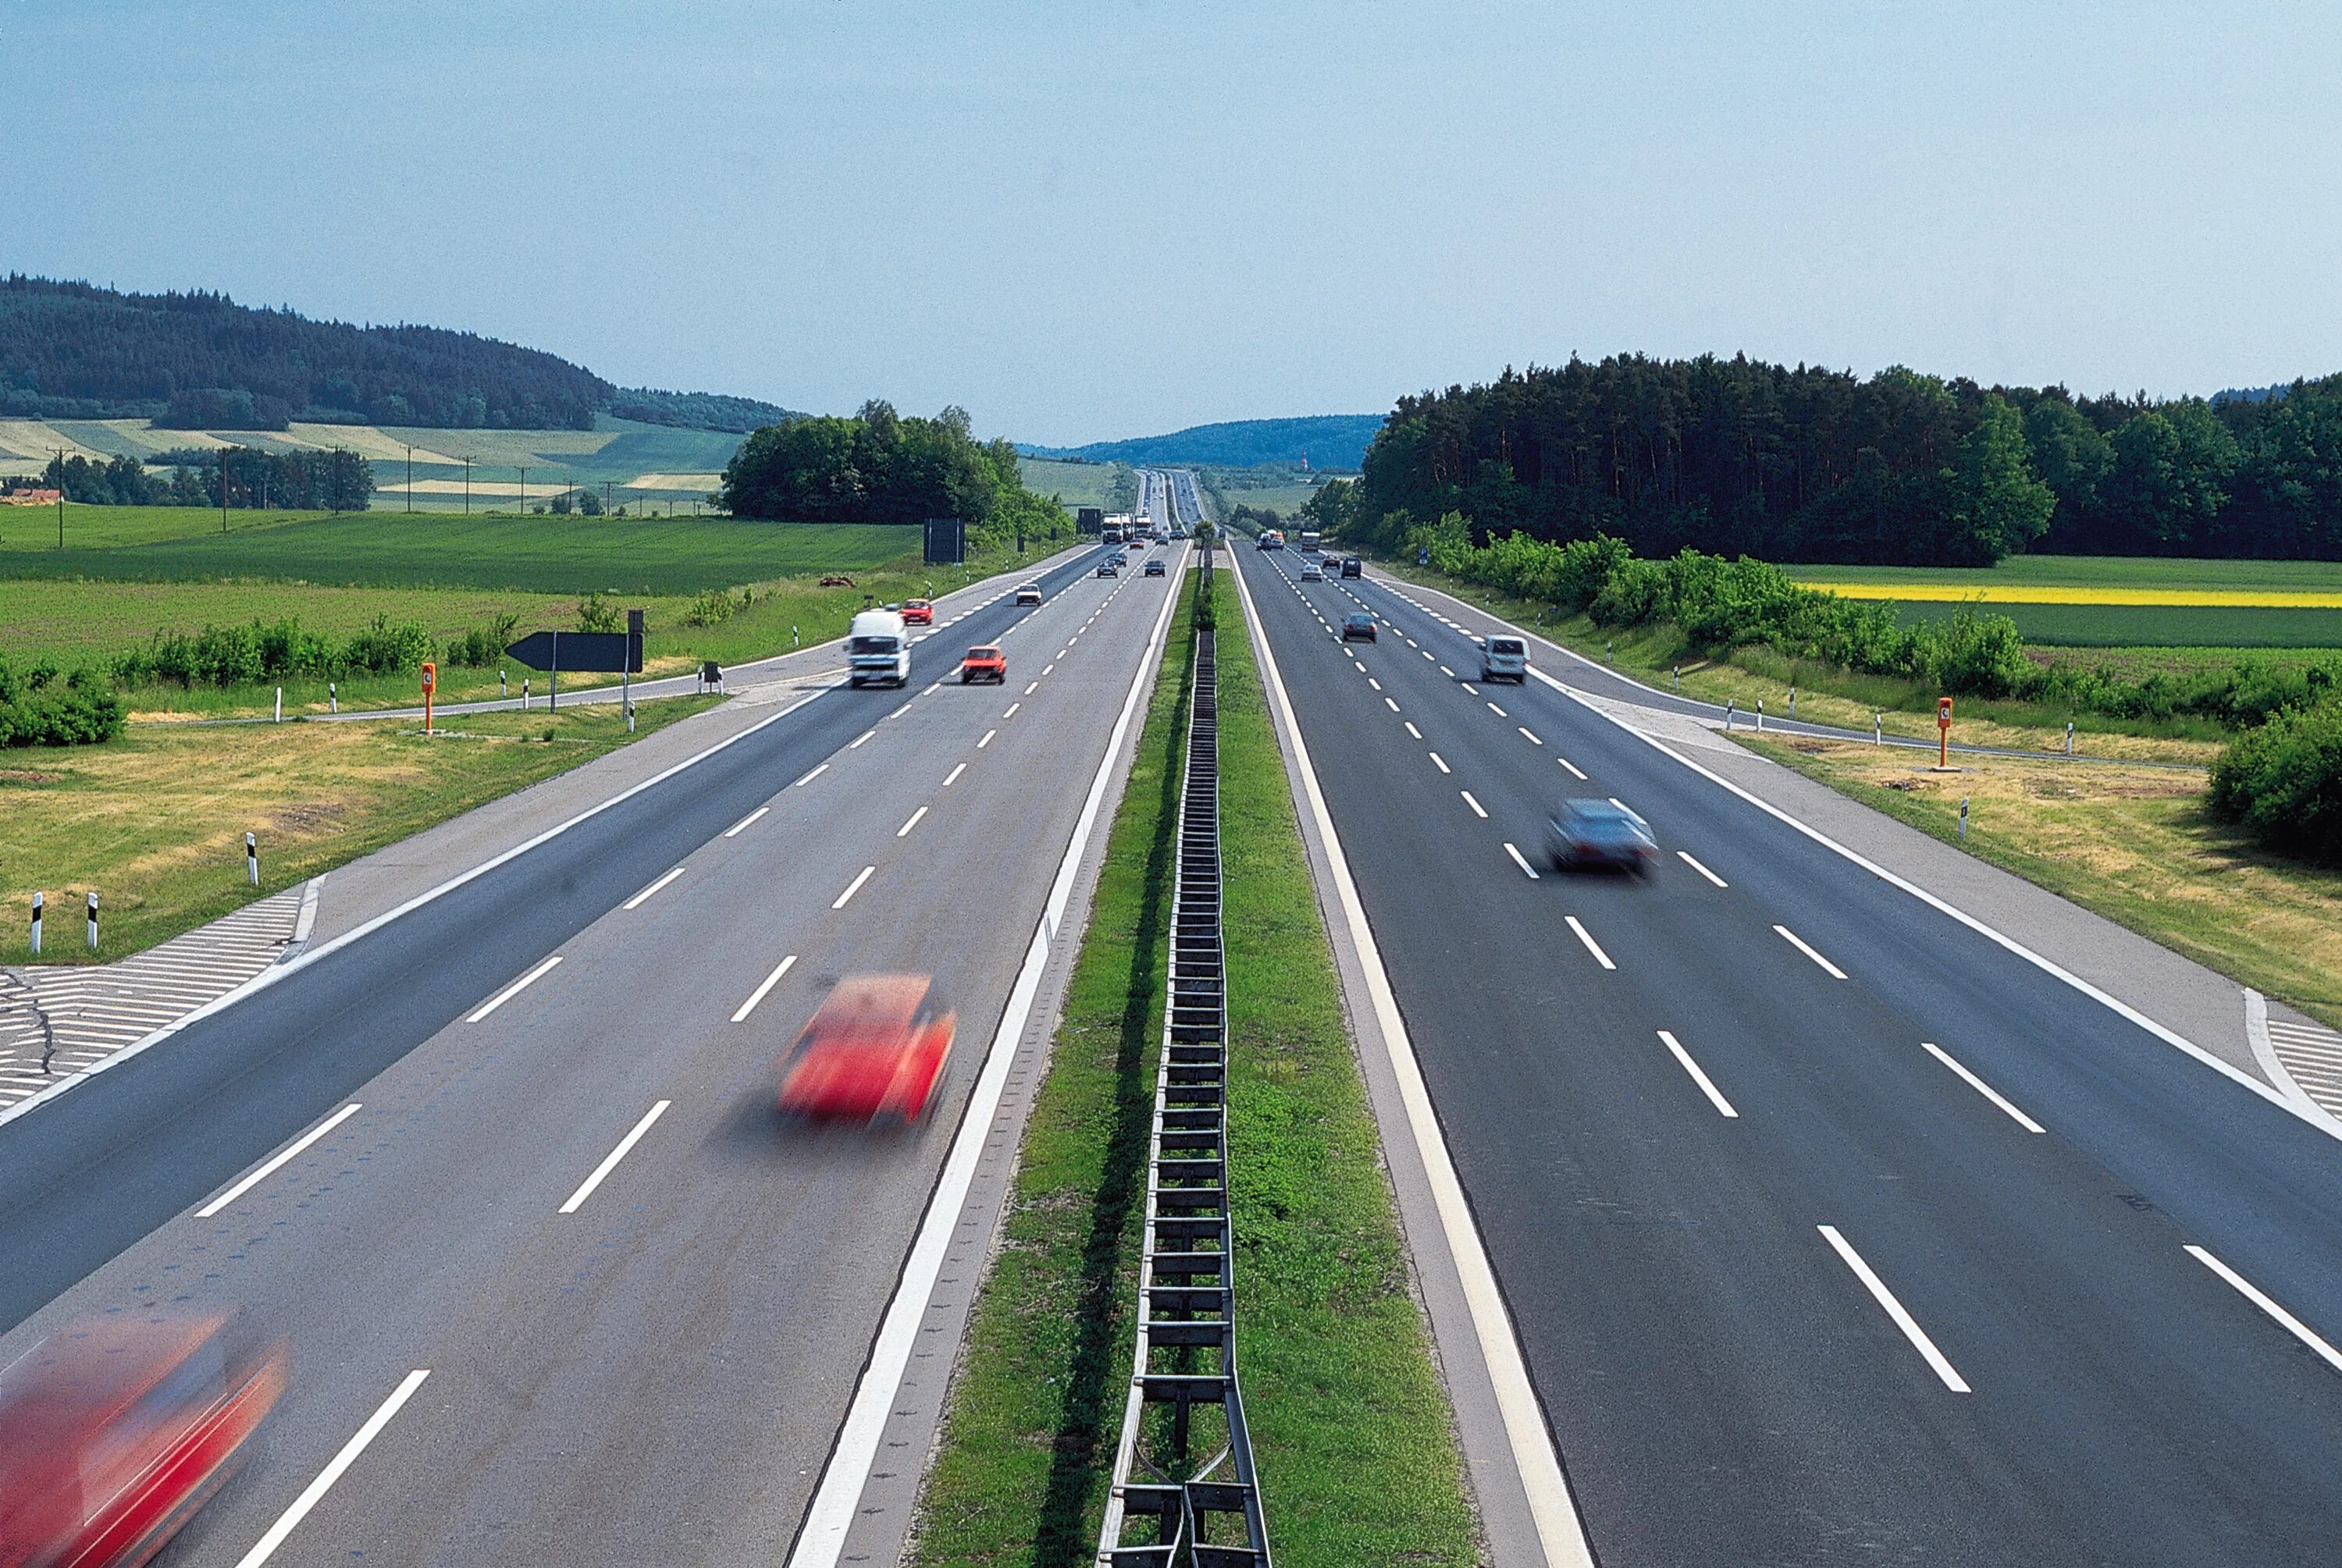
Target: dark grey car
(1583,835)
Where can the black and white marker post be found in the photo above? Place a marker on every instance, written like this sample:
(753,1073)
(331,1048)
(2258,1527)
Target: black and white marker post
(93,920)
(252,857)
(37,901)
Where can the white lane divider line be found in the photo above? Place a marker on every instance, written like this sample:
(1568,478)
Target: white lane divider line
(1499,712)
(291,1151)
(1620,804)
(1031,689)
(1061,653)
(1045,673)
(745,821)
(986,740)
(1373,682)
(1980,1086)
(1391,705)
(1894,1309)
(811,776)
(1685,856)
(1411,729)
(509,992)
(764,988)
(859,739)
(1012,710)
(898,712)
(1591,945)
(1470,688)
(903,831)
(954,775)
(610,1160)
(644,896)
(1683,1059)
(265,1547)
(1794,940)
(1478,810)
(1441,763)
(1575,771)
(1448,672)
(854,887)
(1527,736)
(938,685)
(2284,1320)
(1519,861)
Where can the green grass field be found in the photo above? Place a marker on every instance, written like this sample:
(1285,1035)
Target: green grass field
(1074,483)
(544,555)
(32,529)
(2200,626)
(2099,571)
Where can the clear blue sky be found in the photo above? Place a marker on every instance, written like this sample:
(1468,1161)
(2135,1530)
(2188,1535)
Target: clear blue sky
(1085,221)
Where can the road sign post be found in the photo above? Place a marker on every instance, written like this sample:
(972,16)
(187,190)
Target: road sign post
(430,685)
(1944,733)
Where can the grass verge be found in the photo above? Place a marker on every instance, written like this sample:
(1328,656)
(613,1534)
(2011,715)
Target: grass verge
(2134,844)
(1350,1425)
(156,821)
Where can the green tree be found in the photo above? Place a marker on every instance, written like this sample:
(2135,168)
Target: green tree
(1996,505)
(2170,477)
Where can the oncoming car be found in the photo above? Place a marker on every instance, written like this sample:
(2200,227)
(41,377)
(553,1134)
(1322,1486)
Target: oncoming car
(919,613)
(1312,573)
(1029,594)
(1155,569)
(876,1048)
(984,661)
(1359,626)
(1585,833)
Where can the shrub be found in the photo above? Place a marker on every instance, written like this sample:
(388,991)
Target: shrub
(598,611)
(711,607)
(382,649)
(82,711)
(480,646)
(2283,782)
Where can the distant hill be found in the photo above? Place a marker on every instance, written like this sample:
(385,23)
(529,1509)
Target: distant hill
(1337,441)
(697,410)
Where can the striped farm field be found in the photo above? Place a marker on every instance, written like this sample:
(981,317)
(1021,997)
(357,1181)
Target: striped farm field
(2046,593)
(2117,601)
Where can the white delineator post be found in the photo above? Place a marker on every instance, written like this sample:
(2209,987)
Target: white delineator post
(280,706)
(252,857)
(37,901)
(332,696)
(93,920)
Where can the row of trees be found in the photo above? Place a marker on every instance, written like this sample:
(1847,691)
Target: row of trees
(1806,463)
(335,481)
(880,466)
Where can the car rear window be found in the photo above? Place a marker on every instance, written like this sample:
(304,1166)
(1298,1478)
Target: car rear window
(874,646)
(1506,645)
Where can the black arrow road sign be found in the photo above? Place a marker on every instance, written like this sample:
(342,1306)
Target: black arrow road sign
(610,653)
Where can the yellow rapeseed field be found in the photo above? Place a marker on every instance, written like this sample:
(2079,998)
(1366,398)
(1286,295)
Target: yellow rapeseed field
(2028,593)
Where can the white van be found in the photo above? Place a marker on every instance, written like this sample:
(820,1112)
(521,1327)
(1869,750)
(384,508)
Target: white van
(877,650)
(1504,658)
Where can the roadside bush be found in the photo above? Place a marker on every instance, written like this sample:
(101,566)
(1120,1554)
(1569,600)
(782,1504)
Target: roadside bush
(81,711)
(2283,782)
(710,608)
(382,649)
(481,647)
(598,611)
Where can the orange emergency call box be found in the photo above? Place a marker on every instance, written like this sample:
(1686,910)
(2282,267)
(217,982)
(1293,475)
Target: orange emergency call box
(430,684)
(1942,731)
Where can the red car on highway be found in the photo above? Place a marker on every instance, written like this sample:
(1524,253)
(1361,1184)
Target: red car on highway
(988,662)
(919,613)
(876,1048)
(117,1429)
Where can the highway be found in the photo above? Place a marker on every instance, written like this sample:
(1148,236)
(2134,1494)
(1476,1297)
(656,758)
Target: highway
(1831,1230)
(558,1283)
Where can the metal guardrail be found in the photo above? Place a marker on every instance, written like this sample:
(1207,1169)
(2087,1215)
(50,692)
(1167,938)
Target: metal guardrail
(1186,1354)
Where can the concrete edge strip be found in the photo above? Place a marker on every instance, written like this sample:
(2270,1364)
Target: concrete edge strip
(306,921)
(2305,1109)
(274,973)
(2257,1032)
(821,1538)
(1560,1533)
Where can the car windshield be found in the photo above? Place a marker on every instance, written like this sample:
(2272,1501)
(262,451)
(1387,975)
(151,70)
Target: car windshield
(983,652)
(1360,620)
(1599,816)
(874,646)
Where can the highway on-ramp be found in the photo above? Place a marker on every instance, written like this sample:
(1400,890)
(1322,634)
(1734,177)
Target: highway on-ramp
(1832,1229)
(559,1286)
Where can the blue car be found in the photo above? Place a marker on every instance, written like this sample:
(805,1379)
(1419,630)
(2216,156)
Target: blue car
(1586,834)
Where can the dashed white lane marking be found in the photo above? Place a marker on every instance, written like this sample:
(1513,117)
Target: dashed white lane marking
(644,896)
(610,1160)
(1527,736)
(1620,804)
(291,1151)
(264,1548)
(1499,712)
(764,988)
(1373,682)
(1476,808)
(1799,942)
(736,828)
(509,992)
(1469,687)
(857,740)
(1446,671)
(1388,704)
(1045,673)
(898,712)
(986,740)
(1362,669)
(1411,729)
(953,774)
(1980,1086)
(852,887)
(1031,689)
(1575,771)
(1894,1309)
(811,776)
(1685,857)
(1683,1058)
(2284,1320)
(1012,710)
(907,826)
(1591,945)
(939,687)
(1519,861)
(1440,763)
(1425,651)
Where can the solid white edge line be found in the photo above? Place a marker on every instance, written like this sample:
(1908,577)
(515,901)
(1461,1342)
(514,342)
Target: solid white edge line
(733,831)
(766,986)
(1980,1086)
(271,976)
(644,896)
(2312,1114)
(1522,863)
(268,1544)
(509,992)
(610,1160)
(1802,946)
(1591,945)
(2284,1320)
(854,887)
(1894,1309)
(1478,810)
(821,1537)
(907,826)
(1683,1059)
(1551,1507)
(1685,856)
(274,1166)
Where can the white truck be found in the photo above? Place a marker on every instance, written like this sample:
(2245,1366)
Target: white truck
(877,650)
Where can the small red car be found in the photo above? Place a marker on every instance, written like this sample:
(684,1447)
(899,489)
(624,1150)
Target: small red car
(987,663)
(919,613)
(875,1048)
(117,1429)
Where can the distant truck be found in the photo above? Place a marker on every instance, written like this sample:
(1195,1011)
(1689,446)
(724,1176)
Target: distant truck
(1113,534)
(877,650)
(1311,539)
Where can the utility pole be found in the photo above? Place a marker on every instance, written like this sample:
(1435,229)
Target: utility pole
(468,486)
(524,490)
(61,497)
(410,478)
(606,498)
(224,489)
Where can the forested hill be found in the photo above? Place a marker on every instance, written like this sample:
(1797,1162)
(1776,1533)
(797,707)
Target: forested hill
(200,361)
(1738,456)
(1334,441)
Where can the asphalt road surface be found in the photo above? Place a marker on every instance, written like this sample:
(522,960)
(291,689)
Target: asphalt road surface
(550,1244)
(1833,1232)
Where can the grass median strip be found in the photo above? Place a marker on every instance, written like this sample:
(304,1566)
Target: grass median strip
(1350,1427)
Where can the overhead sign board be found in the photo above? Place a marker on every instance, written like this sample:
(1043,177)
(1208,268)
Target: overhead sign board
(597,652)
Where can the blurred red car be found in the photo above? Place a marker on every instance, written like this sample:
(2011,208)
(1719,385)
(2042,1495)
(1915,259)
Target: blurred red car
(875,1048)
(919,613)
(987,663)
(117,1429)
